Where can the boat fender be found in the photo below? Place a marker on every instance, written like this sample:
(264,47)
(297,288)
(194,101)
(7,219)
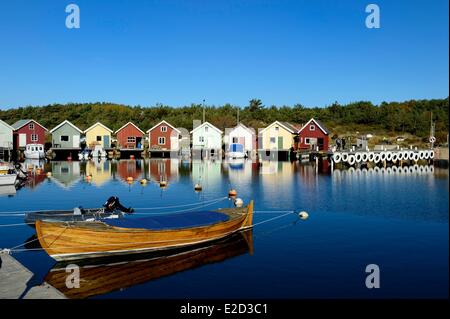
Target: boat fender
(388,156)
(337,157)
(344,157)
(303,215)
(411,155)
(232,192)
(238,202)
(351,159)
(371,156)
(382,156)
(358,157)
(431,154)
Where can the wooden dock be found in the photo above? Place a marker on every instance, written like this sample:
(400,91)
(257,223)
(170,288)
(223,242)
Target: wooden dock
(16,282)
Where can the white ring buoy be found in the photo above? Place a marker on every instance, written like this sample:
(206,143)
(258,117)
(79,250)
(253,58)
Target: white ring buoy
(376,157)
(405,155)
(358,157)
(344,157)
(351,159)
(426,155)
(394,157)
(388,170)
(411,155)
(383,156)
(365,156)
(394,169)
(405,169)
(400,155)
(337,157)
(370,156)
(388,156)
(421,154)
(431,154)
(416,156)
(431,169)
(432,139)
(376,169)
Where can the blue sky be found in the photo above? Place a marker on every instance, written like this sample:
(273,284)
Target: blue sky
(181,52)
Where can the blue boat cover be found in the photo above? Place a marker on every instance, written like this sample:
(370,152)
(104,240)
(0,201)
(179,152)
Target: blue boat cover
(237,148)
(169,221)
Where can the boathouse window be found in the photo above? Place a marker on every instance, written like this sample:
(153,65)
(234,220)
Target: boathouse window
(201,139)
(31,126)
(307,142)
(277,128)
(312,127)
(206,129)
(161,140)
(163,128)
(235,140)
(272,140)
(99,138)
(131,139)
(34,137)
(64,138)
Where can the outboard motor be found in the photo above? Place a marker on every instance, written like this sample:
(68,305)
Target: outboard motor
(113,204)
(21,173)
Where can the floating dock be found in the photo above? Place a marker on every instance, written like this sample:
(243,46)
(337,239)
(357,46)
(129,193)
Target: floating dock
(15,282)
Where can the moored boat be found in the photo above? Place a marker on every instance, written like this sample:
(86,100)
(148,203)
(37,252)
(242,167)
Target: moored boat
(8,174)
(78,240)
(236,150)
(34,151)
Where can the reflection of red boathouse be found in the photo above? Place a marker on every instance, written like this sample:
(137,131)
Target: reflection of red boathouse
(160,169)
(129,168)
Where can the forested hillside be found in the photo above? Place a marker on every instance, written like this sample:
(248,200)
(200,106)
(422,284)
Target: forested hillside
(393,118)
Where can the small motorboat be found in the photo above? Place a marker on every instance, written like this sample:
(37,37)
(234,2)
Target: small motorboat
(98,152)
(236,150)
(110,237)
(83,156)
(111,209)
(34,151)
(8,174)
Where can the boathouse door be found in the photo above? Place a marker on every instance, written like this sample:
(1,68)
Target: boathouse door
(106,141)
(280,142)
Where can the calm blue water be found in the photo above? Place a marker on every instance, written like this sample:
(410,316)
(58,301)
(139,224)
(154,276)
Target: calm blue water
(398,221)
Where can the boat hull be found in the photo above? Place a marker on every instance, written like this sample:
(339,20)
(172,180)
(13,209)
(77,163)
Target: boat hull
(79,240)
(8,179)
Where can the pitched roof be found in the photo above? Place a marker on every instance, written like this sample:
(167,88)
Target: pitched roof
(183,131)
(318,123)
(249,129)
(286,125)
(98,123)
(207,123)
(22,123)
(7,125)
(65,122)
(163,122)
(133,125)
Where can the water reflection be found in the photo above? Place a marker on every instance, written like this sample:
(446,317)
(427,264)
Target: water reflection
(103,276)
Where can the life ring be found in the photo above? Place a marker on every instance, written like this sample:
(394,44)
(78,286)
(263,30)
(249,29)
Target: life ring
(416,156)
(410,155)
(376,157)
(394,157)
(358,157)
(431,154)
(383,156)
(337,157)
(388,156)
(365,156)
(421,154)
(351,159)
(371,156)
(388,170)
(344,157)
(432,139)
(400,155)
(405,155)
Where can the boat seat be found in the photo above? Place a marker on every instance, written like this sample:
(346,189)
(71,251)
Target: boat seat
(170,220)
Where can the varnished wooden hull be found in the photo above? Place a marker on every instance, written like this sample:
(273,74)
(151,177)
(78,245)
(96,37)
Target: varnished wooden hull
(78,240)
(98,278)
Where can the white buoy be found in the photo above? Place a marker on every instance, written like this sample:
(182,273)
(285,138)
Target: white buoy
(238,202)
(303,215)
(351,159)
(336,157)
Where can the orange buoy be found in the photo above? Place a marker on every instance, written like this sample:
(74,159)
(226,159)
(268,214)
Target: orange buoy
(88,177)
(69,158)
(143,181)
(130,179)
(198,187)
(162,184)
(49,174)
(232,192)
(131,156)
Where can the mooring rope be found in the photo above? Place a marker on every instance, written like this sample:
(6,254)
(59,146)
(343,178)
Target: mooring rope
(23,212)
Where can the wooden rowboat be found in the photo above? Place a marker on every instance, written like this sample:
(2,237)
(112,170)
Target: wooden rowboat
(78,240)
(104,275)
